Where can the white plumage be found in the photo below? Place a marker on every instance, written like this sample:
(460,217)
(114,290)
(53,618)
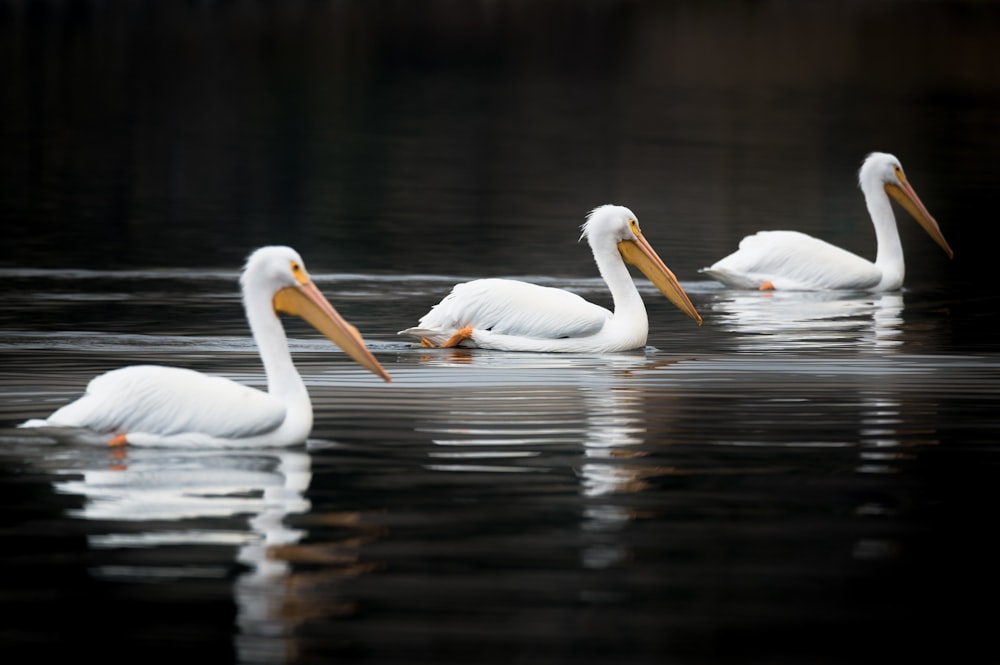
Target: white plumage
(796,261)
(516,308)
(156,405)
(512,315)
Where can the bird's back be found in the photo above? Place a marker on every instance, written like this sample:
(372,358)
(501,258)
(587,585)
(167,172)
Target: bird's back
(511,307)
(169,401)
(793,260)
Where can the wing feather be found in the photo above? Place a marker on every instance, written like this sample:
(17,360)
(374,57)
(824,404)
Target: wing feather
(793,260)
(168,401)
(511,307)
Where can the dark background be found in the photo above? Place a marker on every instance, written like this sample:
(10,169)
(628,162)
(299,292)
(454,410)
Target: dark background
(472,137)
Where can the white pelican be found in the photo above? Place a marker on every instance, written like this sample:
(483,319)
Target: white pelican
(793,260)
(156,405)
(510,315)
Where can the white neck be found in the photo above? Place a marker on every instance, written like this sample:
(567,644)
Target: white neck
(889,253)
(283,380)
(629,311)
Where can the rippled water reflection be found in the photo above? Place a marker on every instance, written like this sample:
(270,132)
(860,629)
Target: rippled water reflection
(790,321)
(786,471)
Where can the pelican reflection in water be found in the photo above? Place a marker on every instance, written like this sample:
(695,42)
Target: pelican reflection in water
(185,498)
(786,320)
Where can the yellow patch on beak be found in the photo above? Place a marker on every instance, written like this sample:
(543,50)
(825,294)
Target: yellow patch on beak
(299,273)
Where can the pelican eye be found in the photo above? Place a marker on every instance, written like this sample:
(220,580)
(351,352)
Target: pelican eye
(299,273)
(634,225)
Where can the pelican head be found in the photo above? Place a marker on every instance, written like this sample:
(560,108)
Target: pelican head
(617,226)
(880,169)
(280,273)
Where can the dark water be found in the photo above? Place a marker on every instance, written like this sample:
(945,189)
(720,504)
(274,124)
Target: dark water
(806,478)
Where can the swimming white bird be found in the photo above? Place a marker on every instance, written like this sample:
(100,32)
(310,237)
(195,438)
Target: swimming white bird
(156,405)
(796,261)
(510,315)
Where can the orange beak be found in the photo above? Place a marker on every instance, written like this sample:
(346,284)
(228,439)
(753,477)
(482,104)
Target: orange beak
(640,253)
(306,301)
(908,199)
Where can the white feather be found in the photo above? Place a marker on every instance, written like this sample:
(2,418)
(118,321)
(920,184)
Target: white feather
(155,405)
(796,261)
(511,315)
(171,401)
(511,307)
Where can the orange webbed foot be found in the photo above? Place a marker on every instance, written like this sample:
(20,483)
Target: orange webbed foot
(426,343)
(118,440)
(767,286)
(460,336)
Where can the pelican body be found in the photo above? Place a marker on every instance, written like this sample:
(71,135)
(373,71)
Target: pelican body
(796,261)
(156,405)
(511,315)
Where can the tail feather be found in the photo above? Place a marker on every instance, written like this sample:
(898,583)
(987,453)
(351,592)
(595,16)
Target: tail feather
(436,337)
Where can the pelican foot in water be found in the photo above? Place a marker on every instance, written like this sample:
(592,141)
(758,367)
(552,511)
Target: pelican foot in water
(119,440)
(460,336)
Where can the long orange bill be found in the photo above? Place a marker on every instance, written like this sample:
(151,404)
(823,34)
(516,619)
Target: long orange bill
(639,253)
(307,302)
(908,199)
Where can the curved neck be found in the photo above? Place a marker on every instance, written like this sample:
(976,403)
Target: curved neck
(268,333)
(629,309)
(889,249)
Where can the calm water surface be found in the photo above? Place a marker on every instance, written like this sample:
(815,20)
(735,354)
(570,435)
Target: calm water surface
(806,478)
